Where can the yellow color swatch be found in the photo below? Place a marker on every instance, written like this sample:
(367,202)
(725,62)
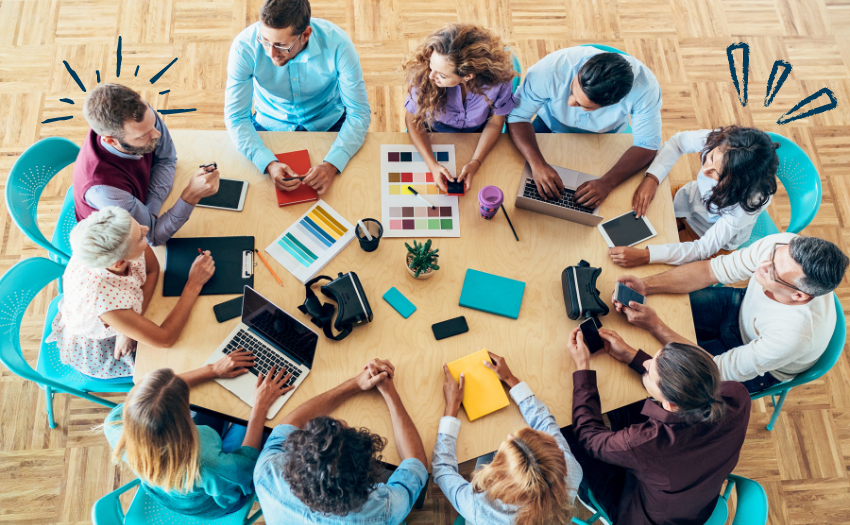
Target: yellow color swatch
(483,392)
(405,191)
(395,189)
(433,190)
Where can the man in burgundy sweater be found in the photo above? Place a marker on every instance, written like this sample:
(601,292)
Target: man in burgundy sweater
(128,160)
(665,459)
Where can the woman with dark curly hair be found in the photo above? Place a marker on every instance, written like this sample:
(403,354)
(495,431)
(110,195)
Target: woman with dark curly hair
(459,81)
(716,212)
(317,469)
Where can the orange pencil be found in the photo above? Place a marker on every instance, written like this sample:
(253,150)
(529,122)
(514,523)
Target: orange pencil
(276,278)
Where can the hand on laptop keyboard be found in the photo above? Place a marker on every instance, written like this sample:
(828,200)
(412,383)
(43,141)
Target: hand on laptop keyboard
(234,364)
(270,387)
(592,193)
(549,183)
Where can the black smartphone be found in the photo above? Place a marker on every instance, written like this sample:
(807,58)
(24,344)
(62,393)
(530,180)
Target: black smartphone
(625,294)
(449,328)
(590,333)
(228,309)
(455,188)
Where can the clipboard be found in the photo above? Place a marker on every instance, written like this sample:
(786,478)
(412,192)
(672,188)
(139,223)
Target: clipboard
(234,264)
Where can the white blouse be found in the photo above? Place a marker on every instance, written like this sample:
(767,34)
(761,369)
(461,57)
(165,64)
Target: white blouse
(85,342)
(725,230)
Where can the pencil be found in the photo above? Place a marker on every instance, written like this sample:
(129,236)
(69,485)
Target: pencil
(423,199)
(509,222)
(276,278)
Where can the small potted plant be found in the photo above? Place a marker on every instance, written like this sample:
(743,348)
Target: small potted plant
(421,260)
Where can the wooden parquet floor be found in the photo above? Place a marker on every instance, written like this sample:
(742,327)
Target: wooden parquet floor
(54,476)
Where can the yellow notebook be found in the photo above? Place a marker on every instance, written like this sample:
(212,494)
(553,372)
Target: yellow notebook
(483,392)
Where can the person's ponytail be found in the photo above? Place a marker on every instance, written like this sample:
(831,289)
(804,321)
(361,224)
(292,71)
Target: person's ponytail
(689,378)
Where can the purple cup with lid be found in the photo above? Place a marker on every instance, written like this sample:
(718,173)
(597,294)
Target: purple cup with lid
(490,200)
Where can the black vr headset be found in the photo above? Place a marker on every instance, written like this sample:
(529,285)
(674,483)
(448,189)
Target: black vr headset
(580,294)
(348,293)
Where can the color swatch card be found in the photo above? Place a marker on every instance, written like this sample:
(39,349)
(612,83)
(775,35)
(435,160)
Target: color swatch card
(483,392)
(309,244)
(405,214)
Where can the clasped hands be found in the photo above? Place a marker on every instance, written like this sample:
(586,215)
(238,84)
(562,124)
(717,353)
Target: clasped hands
(319,177)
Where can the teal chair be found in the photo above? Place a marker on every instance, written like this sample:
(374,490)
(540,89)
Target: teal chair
(30,174)
(750,509)
(145,510)
(610,49)
(823,365)
(18,287)
(798,174)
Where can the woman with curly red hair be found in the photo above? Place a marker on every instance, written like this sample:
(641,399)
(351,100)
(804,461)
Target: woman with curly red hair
(459,81)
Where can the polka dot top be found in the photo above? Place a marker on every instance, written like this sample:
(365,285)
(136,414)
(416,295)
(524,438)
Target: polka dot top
(84,341)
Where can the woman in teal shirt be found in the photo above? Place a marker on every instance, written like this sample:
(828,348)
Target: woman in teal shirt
(185,467)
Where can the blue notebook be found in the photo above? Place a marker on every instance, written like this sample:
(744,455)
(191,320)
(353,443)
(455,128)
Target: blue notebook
(492,293)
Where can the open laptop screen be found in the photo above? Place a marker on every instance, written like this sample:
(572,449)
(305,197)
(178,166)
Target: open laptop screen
(279,327)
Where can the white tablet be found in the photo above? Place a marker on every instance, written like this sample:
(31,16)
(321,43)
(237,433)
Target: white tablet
(626,230)
(230,196)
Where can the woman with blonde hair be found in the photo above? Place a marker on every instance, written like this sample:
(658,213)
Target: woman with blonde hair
(459,81)
(531,480)
(187,465)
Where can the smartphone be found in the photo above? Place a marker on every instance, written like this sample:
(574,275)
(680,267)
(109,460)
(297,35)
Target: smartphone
(455,188)
(228,309)
(590,333)
(624,294)
(230,196)
(449,328)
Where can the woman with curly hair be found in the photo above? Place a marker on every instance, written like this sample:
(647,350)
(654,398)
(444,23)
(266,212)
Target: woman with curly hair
(531,480)
(459,81)
(196,465)
(316,469)
(716,212)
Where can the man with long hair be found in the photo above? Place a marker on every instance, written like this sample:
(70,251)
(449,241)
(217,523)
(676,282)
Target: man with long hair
(665,459)
(300,74)
(585,90)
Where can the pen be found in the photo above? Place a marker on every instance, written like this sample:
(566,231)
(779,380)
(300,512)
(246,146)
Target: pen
(286,177)
(423,199)
(276,278)
(200,251)
(509,222)
(213,165)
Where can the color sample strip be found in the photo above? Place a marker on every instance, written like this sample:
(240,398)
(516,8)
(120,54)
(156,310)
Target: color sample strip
(304,228)
(293,250)
(414,156)
(321,223)
(298,244)
(319,229)
(421,218)
(342,229)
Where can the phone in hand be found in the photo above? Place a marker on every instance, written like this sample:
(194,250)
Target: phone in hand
(590,333)
(449,328)
(228,309)
(624,294)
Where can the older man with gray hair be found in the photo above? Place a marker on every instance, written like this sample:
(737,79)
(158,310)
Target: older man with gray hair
(128,160)
(109,283)
(767,333)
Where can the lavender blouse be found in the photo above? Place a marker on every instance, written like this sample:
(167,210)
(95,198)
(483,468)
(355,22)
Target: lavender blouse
(458,115)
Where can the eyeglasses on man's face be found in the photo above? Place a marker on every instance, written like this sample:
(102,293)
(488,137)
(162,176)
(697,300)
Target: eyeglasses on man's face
(773,276)
(279,47)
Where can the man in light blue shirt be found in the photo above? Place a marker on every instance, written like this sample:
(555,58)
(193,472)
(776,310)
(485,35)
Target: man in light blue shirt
(302,74)
(585,90)
(316,469)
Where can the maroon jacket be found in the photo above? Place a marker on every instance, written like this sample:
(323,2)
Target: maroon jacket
(95,166)
(674,470)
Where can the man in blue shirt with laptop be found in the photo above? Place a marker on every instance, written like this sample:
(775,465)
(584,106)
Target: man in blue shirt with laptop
(586,90)
(302,74)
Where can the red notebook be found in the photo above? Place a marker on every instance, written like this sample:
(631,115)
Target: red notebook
(299,161)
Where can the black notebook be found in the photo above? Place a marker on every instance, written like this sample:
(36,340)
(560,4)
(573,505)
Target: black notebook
(231,256)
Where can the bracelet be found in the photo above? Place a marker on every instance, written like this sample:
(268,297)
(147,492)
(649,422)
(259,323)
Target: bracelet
(653,178)
(478,161)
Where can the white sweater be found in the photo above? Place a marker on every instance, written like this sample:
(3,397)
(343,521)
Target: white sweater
(781,339)
(725,230)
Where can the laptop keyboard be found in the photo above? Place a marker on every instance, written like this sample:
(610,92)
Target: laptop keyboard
(265,357)
(566,200)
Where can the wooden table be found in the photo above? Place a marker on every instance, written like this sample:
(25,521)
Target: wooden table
(534,344)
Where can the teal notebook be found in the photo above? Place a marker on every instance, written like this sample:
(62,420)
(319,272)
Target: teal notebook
(492,293)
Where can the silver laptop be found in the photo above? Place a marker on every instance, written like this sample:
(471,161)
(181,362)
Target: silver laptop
(275,338)
(565,208)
